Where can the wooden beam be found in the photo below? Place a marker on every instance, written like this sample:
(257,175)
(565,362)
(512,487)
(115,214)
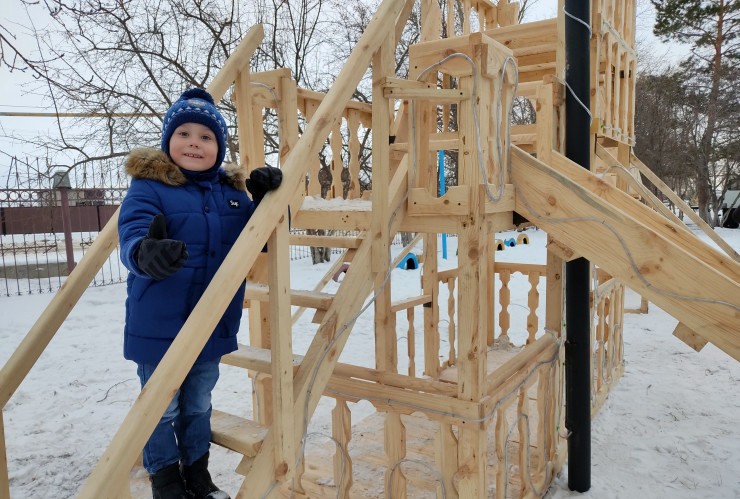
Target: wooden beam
(689,336)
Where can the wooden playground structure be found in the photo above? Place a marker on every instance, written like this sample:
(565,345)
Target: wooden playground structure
(479,419)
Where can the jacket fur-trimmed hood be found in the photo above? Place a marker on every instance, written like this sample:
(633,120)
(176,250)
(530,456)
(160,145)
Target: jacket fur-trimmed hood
(149,163)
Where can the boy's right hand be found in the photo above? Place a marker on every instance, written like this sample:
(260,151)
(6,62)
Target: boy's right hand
(158,256)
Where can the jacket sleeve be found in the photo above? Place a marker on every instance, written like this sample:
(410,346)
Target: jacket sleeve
(138,209)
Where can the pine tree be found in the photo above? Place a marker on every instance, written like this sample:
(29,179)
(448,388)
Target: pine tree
(712,28)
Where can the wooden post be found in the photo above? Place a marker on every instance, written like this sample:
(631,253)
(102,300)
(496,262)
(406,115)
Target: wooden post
(282,350)
(472,318)
(385,330)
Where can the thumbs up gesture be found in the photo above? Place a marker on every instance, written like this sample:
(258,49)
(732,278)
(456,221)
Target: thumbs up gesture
(158,256)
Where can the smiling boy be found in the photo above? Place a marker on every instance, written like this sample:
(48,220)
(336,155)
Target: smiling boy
(179,219)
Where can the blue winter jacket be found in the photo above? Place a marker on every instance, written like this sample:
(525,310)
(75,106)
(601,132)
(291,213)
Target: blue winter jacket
(207,212)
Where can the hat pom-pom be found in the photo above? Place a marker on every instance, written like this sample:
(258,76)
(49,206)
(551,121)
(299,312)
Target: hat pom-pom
(197,93)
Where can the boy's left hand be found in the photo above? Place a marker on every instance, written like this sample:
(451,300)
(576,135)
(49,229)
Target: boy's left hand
(263,180)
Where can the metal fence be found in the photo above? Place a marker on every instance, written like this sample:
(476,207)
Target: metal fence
(48,222)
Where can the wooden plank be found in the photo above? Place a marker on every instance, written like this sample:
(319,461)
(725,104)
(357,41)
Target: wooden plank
(396,88)
(236,433)
(259,359)
(689,336)
(335,220)
(652,264)
(301,298)
(456,201)
(411,302)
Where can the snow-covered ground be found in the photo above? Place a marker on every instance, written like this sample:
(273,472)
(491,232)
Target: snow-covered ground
(669,428)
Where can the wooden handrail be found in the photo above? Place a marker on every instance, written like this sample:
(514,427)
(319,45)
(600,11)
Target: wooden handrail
(663,187)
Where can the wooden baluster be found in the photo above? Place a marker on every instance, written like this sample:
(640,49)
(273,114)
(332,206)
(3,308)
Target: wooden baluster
(524,461)
(466,17)
(544,437)
(504,299)
(411,341)
(446,457)
(609,331)
(533,300)
(618,338)
(337,165)
(451,318)
(341,428)
(502,433)
(601,335)
(395,449)
(314,187)
(353,122)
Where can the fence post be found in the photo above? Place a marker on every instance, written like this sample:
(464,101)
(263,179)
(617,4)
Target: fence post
(62,184)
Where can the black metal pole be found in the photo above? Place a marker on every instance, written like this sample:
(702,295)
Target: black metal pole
(577,278)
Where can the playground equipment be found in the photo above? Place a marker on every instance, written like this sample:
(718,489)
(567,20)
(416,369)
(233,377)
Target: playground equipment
(409,262)
(484,422)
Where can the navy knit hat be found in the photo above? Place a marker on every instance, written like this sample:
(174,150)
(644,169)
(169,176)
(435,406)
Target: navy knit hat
(195,106)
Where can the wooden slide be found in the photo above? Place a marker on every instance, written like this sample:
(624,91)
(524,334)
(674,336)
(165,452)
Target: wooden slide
(671,267)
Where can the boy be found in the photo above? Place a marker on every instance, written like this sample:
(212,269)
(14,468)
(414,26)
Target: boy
(180,217)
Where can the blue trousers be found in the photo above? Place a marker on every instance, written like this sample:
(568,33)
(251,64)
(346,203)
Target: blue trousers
(184,432)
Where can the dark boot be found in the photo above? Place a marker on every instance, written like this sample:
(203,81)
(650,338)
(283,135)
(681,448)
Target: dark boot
(167,483)
(198,481)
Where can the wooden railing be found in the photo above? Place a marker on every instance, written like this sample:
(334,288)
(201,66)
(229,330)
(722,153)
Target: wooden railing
(347,143)
(504,270)
(606,339)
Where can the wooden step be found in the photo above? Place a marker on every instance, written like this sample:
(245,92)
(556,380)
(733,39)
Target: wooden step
(300,298)
(238,434)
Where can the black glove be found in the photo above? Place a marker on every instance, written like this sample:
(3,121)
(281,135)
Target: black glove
(263,180)
(158,256)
